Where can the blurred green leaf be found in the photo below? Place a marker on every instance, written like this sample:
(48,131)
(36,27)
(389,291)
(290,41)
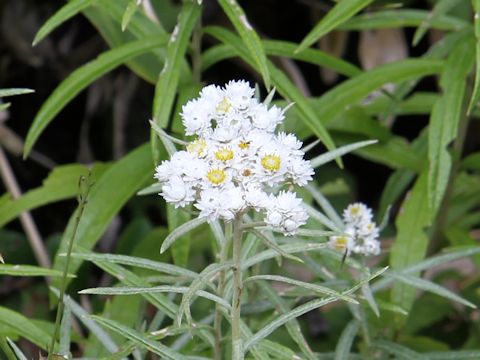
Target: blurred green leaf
(22,326)
(411,243)
(107,196)
(166,88)
(81,78)
(445,119)
(340,13)
(67,11)
(345,342)
(476,87)
(27,270)
(13,92)
(140,339)
(441,7)
(472,162)
(399,351)
(129,12)
(402,18)
(20,355)
(61,184)
(249,37)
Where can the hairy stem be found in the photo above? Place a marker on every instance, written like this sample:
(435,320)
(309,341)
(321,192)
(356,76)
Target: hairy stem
(237,346)
(217,322)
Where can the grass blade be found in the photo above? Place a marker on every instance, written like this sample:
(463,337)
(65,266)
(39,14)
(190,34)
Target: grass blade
(69,10)
(81,78)
(340,13)
(249,37)
(28,270)
(334,154)
(18,353)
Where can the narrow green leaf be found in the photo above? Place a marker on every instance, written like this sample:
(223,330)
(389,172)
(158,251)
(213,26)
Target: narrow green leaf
(334,102)
(25,328)
(140,339)
(84,317)
(472,162)
(14,91)
(167,84)
(411,243)
(344,344)
(282,319)
(476,87)
(334,154)
(180,231)
(20,355)
(367,293)
(322,219)
(453,355)
(269,240)
(445,119)
(281,82)
(129,12)
(249,37)
(154,289)
(325,204)
(293,327)
(81,78)
(137,262)
(399,18)
(401,352)
(340,13)
(430,286)
(28,270)
(67,11)
(319,289)
(441,7)
(60,184)
(112,190)
(5,106)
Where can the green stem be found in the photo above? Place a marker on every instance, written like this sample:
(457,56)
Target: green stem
(217,323)
(237,345)
(82,202)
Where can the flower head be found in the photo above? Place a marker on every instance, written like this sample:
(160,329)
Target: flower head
(235,159)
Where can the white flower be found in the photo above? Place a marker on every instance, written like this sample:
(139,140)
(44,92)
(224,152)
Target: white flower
(361,233)
(286,212)
(178,193)
(236,162)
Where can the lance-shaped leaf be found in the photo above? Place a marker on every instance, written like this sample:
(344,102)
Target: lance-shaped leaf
(107,196)
(167,84)
(340,13)
(476,87)
(411,243)
(445,120)
(334,154)
(140,339)
(28,270)
(248,35)
(67,11)
(14,91)
(180,231)
(81,78)
(344,345)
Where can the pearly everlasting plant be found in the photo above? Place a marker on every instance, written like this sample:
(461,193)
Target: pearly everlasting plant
(236,161)
(360,234)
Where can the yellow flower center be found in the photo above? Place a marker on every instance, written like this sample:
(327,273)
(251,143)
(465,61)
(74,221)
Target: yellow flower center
(244,145)
(223,106)
(340,242)
(197,147)
(216,176)
(224,154)
(355,211)
(271,162)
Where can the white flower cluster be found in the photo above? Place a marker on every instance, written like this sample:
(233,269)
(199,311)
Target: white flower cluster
(237,161)
(361,233)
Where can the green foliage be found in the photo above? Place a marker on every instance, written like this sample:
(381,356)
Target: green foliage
(182,287)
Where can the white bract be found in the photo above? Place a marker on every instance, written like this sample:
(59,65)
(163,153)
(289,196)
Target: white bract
(236,161)
(360,234)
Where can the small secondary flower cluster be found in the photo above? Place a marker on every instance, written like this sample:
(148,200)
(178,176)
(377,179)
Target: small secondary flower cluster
(361,233)
(237,161)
